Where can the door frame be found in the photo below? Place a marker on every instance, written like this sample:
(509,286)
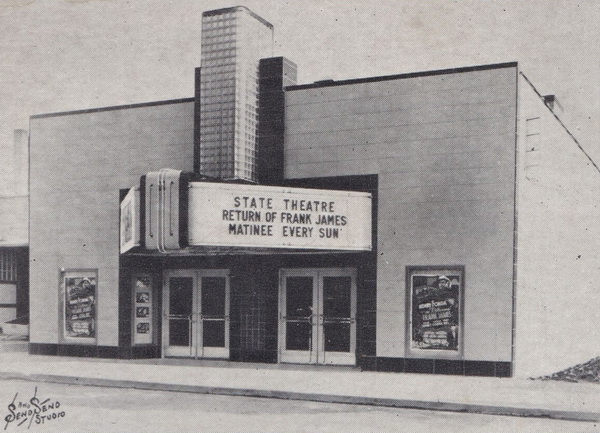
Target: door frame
(296,356)
(339,358)
(316,353)
(195,349)
(212,352)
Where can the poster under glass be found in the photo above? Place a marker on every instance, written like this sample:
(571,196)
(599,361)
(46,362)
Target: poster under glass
(79,304)
(143,305)
(435,297)
(130,216)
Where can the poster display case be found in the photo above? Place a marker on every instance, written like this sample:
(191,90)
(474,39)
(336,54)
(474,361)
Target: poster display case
(79,295)
(435,296)
(143,309)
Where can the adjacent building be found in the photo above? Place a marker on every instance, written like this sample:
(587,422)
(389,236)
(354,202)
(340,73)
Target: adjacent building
(14,250)
(440,222)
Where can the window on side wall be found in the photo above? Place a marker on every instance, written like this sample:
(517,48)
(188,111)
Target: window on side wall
(532,142)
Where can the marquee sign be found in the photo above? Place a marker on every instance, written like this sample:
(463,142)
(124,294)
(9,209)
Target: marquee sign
(237,215)
(170,212)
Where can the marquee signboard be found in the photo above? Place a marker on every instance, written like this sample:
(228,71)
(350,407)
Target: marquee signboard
(237,215)
(179,212)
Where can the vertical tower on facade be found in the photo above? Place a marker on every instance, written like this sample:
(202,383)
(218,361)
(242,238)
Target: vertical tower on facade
(233,42)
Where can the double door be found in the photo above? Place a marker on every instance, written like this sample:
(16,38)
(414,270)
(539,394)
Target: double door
(196,313)
(317,320)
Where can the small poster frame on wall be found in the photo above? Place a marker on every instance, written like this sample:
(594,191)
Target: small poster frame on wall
(143,309)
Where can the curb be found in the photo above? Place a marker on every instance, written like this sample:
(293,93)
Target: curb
(321,398)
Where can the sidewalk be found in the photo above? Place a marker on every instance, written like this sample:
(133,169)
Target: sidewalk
(517,397)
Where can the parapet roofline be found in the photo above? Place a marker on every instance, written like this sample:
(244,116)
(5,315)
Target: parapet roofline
(111,108)
(237,8)
(324,83)
(331,83)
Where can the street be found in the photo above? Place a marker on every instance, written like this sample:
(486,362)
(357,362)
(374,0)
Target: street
(68,408)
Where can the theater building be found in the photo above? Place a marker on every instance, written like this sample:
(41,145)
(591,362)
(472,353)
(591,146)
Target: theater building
(408,223)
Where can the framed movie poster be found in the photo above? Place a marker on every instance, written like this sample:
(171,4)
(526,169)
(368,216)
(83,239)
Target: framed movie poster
(143,328)
(79,294)
(142,312)
(143,305)
(435,302)
(129,228)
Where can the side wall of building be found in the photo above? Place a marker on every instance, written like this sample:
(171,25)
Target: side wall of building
(79,161)
(558,243)
(14,230)
(443,146)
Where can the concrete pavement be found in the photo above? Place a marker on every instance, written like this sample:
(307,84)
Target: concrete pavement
(497,396)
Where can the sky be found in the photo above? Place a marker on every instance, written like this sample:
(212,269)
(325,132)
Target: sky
(62,55)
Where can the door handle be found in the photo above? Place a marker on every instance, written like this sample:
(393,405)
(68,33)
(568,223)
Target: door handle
(150,211)
(210,317)
(177,316)
(171,208)
(339,320)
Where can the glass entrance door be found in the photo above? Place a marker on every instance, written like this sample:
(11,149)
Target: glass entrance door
(196,313)
(318,316)
(178,304)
